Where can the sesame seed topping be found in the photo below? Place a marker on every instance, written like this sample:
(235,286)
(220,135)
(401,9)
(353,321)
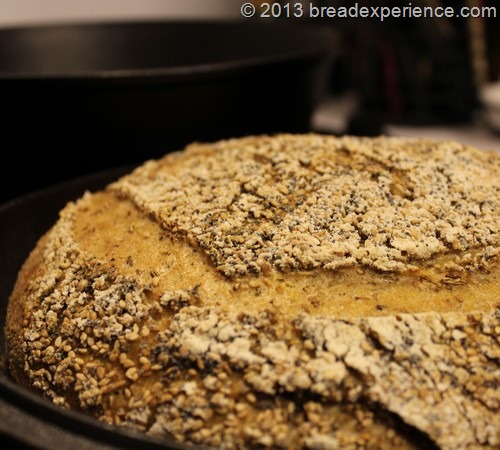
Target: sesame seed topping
(141,352)
(303,202)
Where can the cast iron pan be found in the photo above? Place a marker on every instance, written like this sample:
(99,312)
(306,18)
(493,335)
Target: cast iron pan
(80,99)
(76,99)
(28,421)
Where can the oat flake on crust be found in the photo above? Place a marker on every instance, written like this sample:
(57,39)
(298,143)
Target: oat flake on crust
(233,380)
(244,380)
(309,201)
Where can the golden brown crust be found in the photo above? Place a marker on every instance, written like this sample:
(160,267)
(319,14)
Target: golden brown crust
(130,309)
(310,202)
(18,310)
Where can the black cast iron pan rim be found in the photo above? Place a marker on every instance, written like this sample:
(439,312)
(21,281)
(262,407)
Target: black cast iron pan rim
(77,423)
(80,424)
(100,178)
(323,46)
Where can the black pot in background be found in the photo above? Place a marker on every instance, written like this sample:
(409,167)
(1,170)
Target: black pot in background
(76,99)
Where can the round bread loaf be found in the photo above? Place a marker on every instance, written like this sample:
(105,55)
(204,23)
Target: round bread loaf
(293,291)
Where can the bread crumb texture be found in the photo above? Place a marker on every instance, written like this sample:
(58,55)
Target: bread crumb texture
(173,360)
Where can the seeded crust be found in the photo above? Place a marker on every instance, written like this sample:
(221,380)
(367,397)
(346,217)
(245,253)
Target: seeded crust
(294,291)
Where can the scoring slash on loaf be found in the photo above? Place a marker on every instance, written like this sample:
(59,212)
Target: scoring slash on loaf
(289,291)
